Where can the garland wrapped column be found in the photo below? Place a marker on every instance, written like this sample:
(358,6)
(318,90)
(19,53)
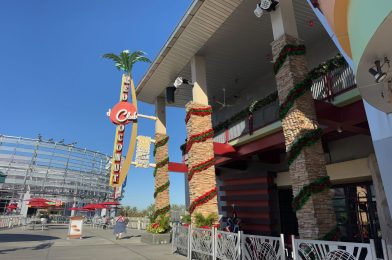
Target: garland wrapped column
(200,148)
(161,174)
(312,200)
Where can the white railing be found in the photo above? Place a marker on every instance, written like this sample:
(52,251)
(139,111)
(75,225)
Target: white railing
(199,243)
(262,247)
(12,221)
(320,250)
(180,240)
(227,245)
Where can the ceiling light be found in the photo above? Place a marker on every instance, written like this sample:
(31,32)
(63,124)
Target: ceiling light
(258,11)
(339,129)
(377,72)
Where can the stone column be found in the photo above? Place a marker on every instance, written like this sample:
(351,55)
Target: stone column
(383,212)
(200,148)
(316,218)
(161,153)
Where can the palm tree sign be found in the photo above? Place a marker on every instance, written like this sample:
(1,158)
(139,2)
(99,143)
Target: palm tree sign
(126,60)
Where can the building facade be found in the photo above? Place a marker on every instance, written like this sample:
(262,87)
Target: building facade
(293,152)
(34,168)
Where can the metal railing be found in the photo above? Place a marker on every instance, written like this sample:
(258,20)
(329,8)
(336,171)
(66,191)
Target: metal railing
(12,221)
(199,243)
(325,88)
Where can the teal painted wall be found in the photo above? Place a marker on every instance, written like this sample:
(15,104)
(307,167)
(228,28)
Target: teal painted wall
(364,17)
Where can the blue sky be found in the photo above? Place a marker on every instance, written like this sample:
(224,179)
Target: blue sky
(53,80)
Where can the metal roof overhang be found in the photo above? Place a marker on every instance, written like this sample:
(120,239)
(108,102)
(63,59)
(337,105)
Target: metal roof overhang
(235,43)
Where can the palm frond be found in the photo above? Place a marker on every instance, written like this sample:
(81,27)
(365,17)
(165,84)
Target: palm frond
(126,60)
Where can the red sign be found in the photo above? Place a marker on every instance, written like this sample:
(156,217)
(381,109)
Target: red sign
(123,113)
(117,154)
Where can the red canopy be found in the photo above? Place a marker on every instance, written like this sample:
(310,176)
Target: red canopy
(108,203)
(94,206)
(38,204)
(74,208)
(39,200)
(12,206)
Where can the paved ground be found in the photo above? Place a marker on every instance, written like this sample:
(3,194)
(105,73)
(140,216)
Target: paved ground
(97,244)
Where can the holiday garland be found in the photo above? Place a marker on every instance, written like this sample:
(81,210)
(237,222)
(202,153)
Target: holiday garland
(198,138)
(200,167)
(161,164)
(202,199)
(288,50)
(308,190)
(296,92)
(160,143)
(332,235)
(204,111)
(303,141)
(161,188)
(161,211)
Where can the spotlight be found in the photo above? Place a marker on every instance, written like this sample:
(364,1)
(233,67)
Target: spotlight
(377,72)
(179,81)
(258,11)
(170,91)
(339,129)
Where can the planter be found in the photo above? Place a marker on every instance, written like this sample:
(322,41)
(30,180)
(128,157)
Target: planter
(156,239)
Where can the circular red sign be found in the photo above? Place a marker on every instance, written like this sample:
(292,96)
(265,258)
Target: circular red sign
(123,113)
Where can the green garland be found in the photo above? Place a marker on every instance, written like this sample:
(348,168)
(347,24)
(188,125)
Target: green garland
(200,167)
(255,106)
(203,111)
(303,141)
(161,211)
(160,143)
(161,188)
(161,164)
(287,50)
(296,92)
(299,89)
(203,199)
(308,190)
(198,138)
(333,235)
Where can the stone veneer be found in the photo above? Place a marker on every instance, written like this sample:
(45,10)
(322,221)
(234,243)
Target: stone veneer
(162,176)
(203,181)
(317,216)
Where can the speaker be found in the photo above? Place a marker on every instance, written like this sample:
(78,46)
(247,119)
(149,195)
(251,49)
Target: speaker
(170,94)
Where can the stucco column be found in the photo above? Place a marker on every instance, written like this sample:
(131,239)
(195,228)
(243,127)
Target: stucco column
(383,212)
(201,171)
(161,153)
(316,218)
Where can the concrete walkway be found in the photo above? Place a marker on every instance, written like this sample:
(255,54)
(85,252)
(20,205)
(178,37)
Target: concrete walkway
(97,244)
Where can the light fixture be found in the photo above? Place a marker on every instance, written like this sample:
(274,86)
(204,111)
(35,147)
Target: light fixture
(265,5)
(170,91)
(339,129)
(377,72)
(258,11)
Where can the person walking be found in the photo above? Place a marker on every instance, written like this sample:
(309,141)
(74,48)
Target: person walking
(120,226)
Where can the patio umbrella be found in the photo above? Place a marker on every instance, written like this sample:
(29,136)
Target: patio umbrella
(110,203)
(12,207)
(74,208)
(38,200)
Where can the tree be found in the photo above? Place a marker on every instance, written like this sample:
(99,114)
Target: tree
(126,60)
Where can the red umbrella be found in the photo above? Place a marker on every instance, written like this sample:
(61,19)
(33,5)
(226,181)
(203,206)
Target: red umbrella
(38,205)
(109,203)
(39,200)
(12,206)
(74,208)
(94,206)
